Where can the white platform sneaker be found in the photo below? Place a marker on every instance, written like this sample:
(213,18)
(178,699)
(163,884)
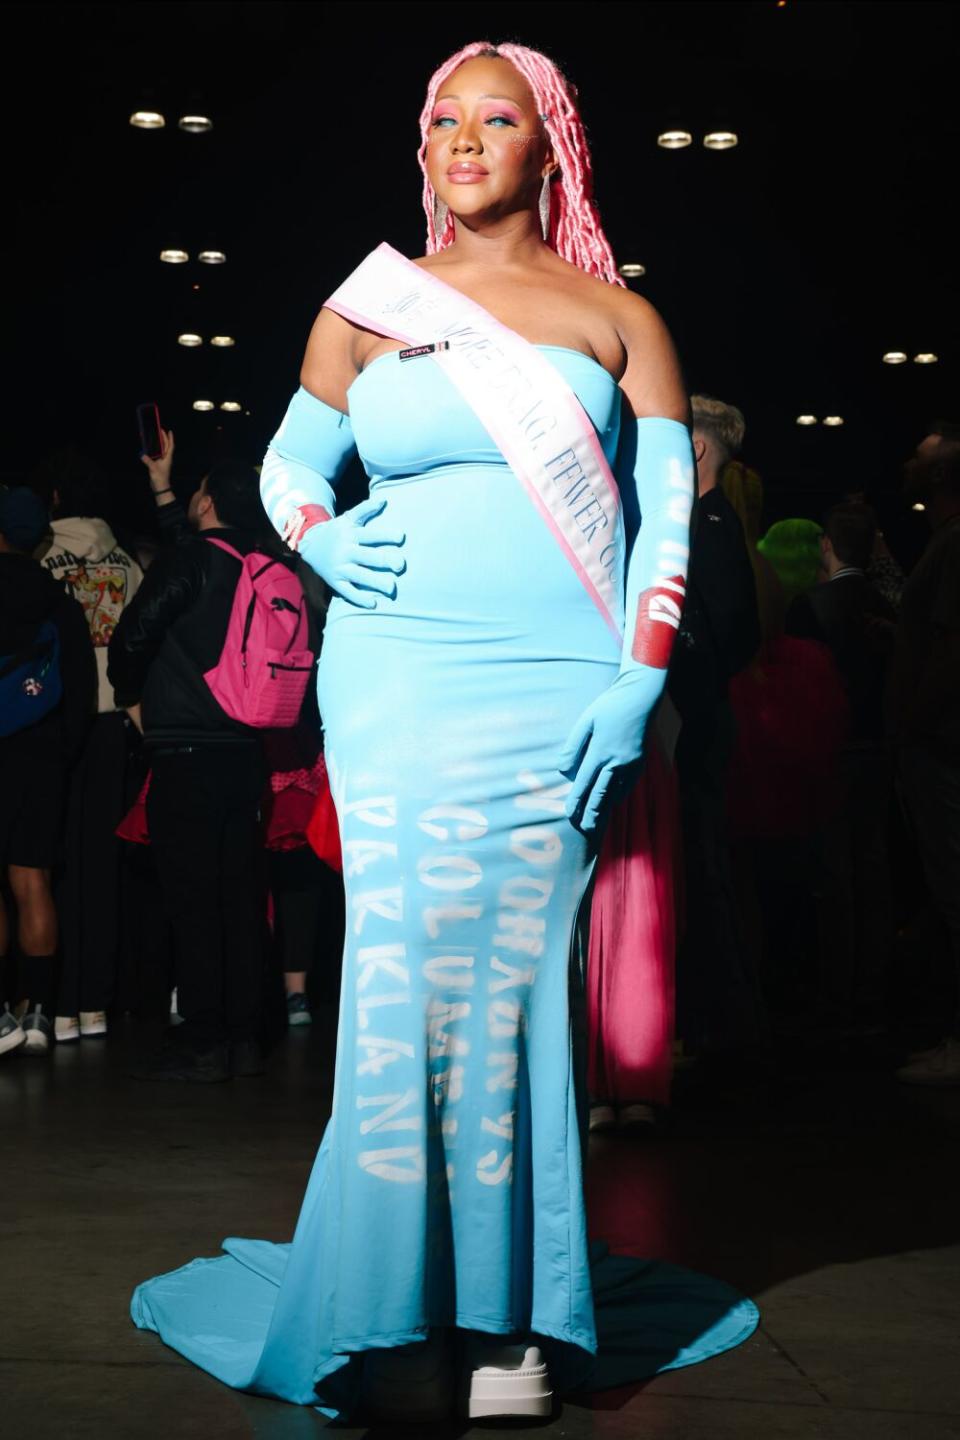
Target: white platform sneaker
(93,1022)
(66,1028)
(503,1381)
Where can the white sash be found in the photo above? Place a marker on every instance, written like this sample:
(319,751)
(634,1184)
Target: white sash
(528,409)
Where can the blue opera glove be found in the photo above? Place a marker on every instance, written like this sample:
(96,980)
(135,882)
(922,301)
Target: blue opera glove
(603,753)
(359,564)
(305,460)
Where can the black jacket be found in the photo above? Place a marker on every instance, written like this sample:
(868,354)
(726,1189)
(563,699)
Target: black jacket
(720,629)
(172,633)
(838,613)
(28,596)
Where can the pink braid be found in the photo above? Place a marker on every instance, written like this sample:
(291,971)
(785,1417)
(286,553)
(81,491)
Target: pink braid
(575,230)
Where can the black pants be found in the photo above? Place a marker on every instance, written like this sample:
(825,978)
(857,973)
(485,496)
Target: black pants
(90,887)
(930,784)
(203,811)
(718,1002)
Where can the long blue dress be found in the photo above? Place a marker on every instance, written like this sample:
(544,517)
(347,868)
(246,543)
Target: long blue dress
(448,1187)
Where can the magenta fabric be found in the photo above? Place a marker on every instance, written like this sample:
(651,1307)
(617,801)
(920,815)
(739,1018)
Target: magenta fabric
(633,937)
(265,665)
(792,718)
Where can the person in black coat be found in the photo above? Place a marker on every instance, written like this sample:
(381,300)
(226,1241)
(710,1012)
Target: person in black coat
(35,761)
(848,614)
(717,1000)
(207,778)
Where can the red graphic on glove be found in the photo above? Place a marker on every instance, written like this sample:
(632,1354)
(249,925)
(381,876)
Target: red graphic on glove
(658,620)
(313,515)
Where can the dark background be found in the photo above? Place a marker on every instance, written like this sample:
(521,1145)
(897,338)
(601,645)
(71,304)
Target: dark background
(784,267)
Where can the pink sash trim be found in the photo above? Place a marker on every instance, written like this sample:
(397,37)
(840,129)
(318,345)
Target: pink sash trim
(494,369)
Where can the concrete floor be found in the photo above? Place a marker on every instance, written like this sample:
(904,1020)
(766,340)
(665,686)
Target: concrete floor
(822,1189)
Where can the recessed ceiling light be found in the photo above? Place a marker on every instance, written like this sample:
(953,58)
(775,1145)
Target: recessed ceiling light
(632,269)
(195,124)
(721,140)
(189,339)
(233,406)
(674,139)
(926,357)
(806,419)
(222,341)
(203,405)
(833,420)
(211,257)
(895,357)
(174,256)
(147,120)
(918,505)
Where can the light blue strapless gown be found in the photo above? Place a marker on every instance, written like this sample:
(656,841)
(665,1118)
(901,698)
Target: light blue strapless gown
(448,1187)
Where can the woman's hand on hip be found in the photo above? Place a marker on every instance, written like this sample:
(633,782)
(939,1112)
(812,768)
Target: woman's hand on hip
(357,563)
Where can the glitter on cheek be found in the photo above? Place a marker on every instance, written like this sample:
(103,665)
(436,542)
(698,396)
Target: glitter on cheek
(521,141)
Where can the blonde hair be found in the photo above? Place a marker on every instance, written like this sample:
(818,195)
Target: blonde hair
(723,423)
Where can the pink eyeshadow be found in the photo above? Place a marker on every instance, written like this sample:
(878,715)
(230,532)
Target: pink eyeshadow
(506,110)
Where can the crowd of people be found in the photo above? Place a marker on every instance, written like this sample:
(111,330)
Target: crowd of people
(155,835)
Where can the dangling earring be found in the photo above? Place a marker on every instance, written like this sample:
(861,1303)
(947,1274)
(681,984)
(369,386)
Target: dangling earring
(440,213)
(545,207)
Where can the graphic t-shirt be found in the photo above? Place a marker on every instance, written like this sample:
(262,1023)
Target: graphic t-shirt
(85,557)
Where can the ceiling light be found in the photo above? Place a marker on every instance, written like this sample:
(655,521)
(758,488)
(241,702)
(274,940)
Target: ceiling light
(174,256)
(721,140)
(806,419)
(919,505)
(833,420)
(233,406)
(189,339)
(926,357)
(674,139)
(195,124)
(211,257)
(632,270)
(222,341)
(203,405)
(894,357)
(147,120)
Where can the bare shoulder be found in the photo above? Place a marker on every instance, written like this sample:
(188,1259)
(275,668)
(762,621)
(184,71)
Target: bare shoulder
(638,322)
(330,364)
(652,381)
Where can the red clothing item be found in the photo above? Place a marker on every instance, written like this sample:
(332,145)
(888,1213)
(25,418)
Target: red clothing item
(792,719)
(632,948)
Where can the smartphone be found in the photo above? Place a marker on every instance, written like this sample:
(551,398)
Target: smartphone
(148,422)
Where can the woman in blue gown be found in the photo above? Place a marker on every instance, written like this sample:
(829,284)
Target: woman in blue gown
(480,718)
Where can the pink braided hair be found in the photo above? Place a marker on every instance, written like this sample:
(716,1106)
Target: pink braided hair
(575,230)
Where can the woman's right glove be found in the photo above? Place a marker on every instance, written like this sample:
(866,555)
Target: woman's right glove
(358,564)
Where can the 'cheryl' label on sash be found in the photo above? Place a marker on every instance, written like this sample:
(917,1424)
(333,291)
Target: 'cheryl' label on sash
(522,401)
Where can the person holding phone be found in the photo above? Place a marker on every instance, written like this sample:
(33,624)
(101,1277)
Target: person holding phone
(84,555)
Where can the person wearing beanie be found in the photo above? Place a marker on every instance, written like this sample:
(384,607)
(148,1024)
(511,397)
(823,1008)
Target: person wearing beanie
(48,686)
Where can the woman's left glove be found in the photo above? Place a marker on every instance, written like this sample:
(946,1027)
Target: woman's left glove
(603,754)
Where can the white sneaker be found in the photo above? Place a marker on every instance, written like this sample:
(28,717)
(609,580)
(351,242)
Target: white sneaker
(925,1054)
(11,1031)
(638,1119)
(93,1022)
(66,1028)
(175,1017)
(37,1030)
(413,1383)
(602,1117)
(502,1380)
(940,1067)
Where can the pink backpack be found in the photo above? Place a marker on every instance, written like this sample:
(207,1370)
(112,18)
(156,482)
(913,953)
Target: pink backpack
(261,676)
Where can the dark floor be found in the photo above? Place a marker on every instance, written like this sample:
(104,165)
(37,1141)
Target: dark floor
(821,1188)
